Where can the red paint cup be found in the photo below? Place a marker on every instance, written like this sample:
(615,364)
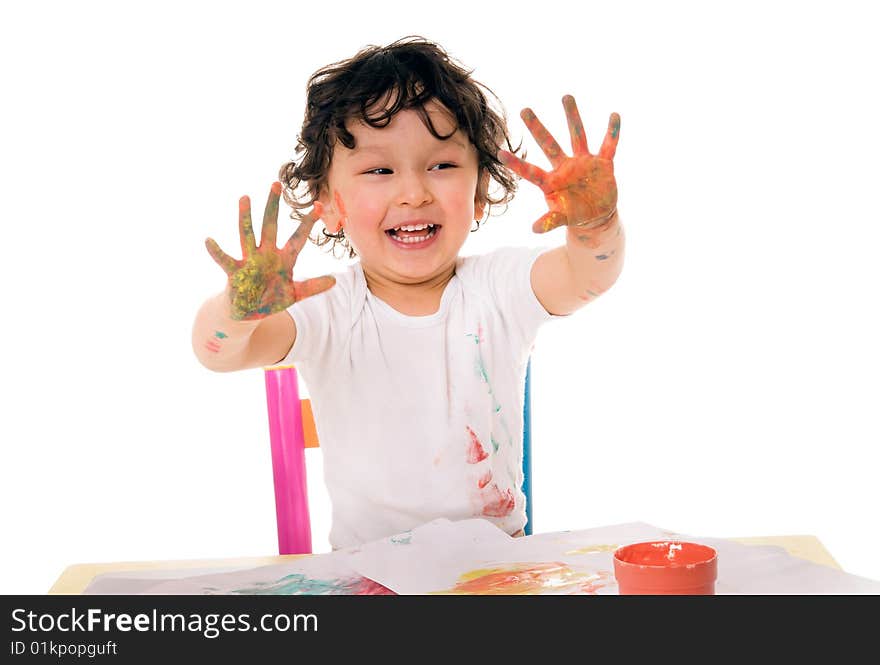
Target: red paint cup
(666,567)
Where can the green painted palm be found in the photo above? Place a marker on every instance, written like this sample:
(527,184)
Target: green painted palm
(261,282)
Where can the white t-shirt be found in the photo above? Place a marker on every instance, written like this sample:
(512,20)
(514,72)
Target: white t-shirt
(421,417)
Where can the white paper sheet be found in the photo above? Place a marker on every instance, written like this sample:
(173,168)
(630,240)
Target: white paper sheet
(771,570)
(442,560)
(133,582)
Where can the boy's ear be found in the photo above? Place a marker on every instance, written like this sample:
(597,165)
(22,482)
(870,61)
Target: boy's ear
(332,217)
(479,210)
(481,196)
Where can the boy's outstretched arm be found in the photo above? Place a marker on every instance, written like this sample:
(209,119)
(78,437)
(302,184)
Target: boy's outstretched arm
(581,194)
(247,325)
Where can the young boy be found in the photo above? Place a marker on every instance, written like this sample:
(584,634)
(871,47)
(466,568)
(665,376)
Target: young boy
(415,358)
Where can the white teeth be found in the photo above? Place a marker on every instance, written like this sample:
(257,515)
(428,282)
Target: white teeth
(417,227)
(416,239)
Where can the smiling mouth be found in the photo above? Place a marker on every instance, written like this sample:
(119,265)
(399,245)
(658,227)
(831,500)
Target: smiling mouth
(413,234)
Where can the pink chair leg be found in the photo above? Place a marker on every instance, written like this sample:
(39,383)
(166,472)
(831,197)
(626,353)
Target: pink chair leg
(288,461)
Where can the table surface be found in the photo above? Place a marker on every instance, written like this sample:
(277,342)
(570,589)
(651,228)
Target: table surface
(75,578)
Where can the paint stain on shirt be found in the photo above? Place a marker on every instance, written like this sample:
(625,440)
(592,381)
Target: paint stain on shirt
(485,479)
(475,451)
(498,503)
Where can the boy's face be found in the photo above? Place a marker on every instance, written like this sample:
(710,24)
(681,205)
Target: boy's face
(402,176)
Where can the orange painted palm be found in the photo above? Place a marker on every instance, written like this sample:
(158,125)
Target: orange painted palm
(261,283)
(580,190)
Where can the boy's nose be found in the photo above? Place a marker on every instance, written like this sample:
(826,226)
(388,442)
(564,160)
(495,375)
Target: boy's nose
(413,190)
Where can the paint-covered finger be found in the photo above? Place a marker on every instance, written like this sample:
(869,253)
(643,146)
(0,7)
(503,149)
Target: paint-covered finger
(269,230)
(544,139)
(549,221)
(298,239)
(523,169)
(612,136)
(246,228)
(220,257)
(311,287)
(575,126)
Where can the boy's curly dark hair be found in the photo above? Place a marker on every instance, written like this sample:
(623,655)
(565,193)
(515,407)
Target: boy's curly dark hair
(407,74)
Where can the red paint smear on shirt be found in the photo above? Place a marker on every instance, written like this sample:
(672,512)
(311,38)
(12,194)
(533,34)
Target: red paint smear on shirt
(500,504)
(484,479)
(475,451)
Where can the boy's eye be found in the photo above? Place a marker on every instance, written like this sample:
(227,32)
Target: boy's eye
(443,165)
(380,171)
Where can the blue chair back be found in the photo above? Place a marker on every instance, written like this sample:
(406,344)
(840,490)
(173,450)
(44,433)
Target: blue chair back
(527,449)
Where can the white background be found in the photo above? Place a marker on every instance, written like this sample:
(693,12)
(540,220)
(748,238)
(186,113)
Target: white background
(726,386)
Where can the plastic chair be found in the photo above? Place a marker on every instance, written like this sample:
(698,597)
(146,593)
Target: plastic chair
(292,430)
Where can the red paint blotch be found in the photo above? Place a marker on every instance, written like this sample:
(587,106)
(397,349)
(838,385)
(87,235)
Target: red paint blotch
(475,451)
(500,503)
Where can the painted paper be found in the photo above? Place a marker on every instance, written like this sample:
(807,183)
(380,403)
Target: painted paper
(473,556)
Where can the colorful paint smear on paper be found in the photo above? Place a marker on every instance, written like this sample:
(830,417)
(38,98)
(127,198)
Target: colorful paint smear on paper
(529,578)
(298,584)
(404,538)
(594,549)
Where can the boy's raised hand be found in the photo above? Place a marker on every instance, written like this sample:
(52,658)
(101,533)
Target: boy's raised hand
(580,190)
(261,283)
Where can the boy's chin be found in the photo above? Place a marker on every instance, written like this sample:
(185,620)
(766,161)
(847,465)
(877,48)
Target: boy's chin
(410,275)
(414,270)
